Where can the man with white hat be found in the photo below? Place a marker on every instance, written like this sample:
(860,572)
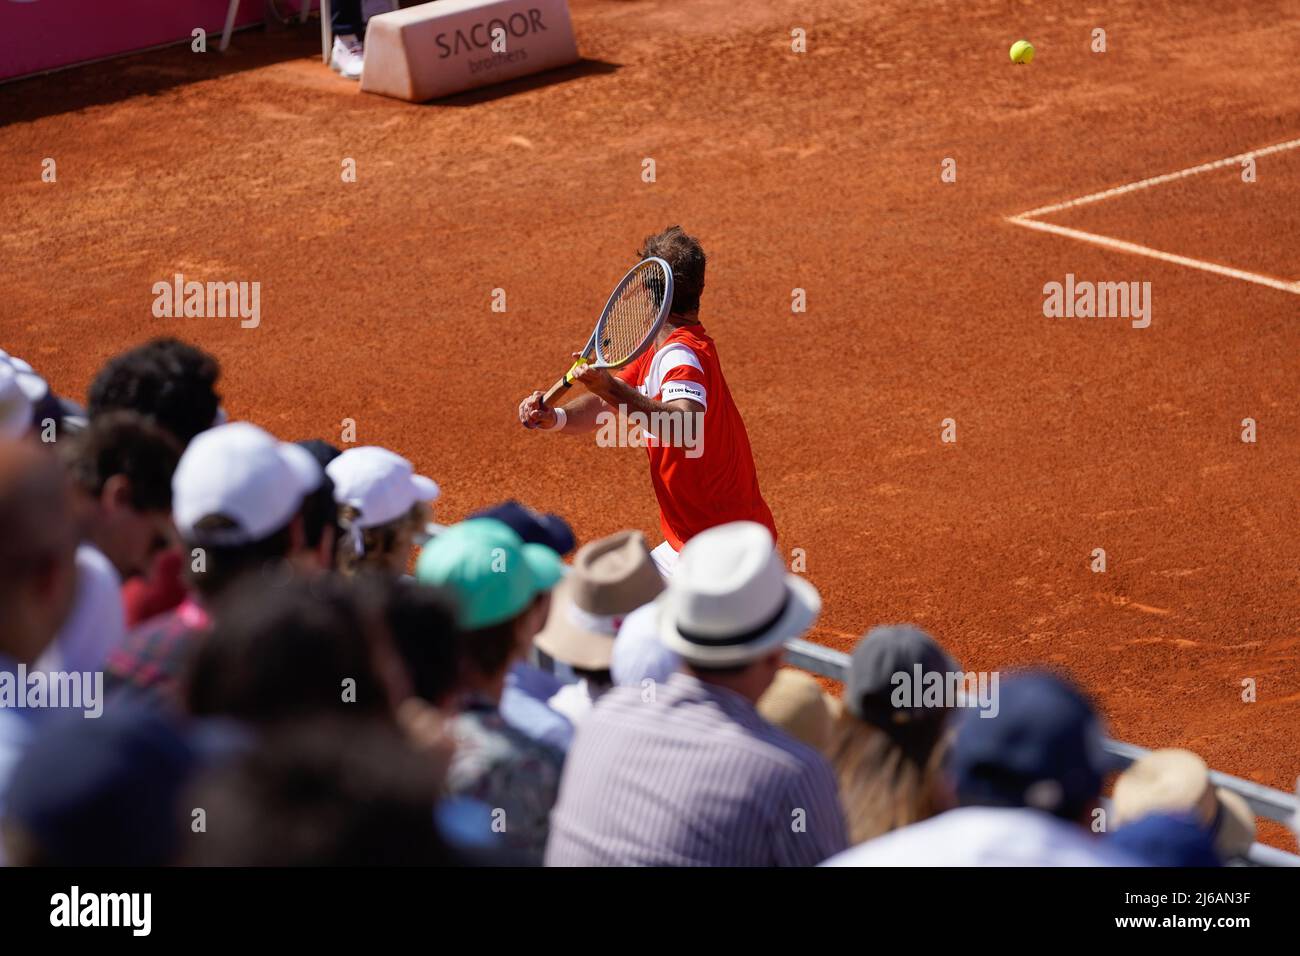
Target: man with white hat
(237,497)
(688,773)
(610,579)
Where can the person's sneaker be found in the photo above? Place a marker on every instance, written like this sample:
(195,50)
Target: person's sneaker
(347,56)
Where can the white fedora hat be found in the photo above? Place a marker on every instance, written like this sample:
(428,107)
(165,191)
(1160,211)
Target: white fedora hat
(730,600)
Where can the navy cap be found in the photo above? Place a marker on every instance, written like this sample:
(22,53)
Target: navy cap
(321,450)
(1164,839)
(1041,748)
(103,791)
(72,417)
(534,528)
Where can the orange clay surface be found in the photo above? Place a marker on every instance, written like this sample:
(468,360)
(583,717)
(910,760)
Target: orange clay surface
(818,171)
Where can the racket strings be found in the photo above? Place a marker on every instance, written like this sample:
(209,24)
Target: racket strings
(632,316)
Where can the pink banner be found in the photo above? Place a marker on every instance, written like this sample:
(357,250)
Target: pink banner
(38,35)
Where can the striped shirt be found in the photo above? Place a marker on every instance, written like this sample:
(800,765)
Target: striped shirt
(691,775)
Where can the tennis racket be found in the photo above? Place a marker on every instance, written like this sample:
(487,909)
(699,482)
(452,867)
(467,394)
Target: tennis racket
(632,318)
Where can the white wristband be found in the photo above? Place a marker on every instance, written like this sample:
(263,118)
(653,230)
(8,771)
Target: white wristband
(561,416)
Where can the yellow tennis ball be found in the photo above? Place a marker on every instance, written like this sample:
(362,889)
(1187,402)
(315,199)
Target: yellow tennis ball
(1022,51)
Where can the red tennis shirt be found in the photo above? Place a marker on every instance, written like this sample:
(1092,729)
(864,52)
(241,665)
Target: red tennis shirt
(702,477)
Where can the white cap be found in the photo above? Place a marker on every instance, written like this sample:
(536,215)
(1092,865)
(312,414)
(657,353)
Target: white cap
(380,484)
(33,386)
(15,406)
(243,473)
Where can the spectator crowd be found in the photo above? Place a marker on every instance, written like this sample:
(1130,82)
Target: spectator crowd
(221,648)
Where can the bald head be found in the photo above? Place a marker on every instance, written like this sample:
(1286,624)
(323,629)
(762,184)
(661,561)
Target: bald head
(37,549)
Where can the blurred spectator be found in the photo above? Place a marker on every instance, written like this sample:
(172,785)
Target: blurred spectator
(37,574)
(101,792)
(529,687)
(422,623)
(165,379)
(638,654)
(1163,839)
(174,384)
(52,417)
(421,626)
(888,758)
(326,792)
(383,509)
(796,703)
(289,650)
(37,551)
(162,589)
(1028,784)
(501,587)
(237,500)
(96,625)
(1177,782)
(121,467)
(688,772)
(610,579)
(320,515)
(534,527)
(15,406)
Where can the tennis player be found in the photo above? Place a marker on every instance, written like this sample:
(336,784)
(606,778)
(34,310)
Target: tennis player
(679,376)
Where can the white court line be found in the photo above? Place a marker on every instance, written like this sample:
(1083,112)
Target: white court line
(1133,247)
(1028,220)
(1157,180)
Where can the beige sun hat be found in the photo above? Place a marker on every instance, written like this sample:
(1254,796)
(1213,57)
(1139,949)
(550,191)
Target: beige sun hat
(1178,781)
(610,579)
(796,703)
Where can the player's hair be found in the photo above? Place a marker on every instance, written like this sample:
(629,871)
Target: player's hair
(166,380)
(124,443)
(888,778)
(686,257)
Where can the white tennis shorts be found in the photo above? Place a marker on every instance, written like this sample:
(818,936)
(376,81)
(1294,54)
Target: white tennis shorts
(665,559)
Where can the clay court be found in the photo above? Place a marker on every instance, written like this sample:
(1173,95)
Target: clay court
(819,171)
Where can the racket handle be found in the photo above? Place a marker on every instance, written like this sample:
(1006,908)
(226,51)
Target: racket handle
(558,389)
(563,385)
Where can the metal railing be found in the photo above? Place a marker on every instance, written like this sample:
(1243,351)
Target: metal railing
(1266,802)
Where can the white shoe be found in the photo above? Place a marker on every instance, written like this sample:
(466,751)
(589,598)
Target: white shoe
(347,56)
